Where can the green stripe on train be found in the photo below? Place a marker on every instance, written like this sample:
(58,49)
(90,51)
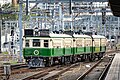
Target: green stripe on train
(44,52)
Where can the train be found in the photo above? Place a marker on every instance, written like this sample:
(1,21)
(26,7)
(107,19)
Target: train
(41,48)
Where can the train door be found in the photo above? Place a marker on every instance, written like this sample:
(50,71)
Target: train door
(80,46)
(57,47)
(97,45)
(88,42)
(67,42)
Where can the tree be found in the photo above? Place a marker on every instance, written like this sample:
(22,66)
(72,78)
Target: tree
(6,12)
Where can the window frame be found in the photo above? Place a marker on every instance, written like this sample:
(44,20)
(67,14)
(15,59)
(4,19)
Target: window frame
(45,43)
(27,40)
(38,43)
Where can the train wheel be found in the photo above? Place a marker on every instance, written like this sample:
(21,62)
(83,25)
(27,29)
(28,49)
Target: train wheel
(92,57)
(100,56)
(49,62)
(83,57)
(29,64)
(67,59)
(71,59)
(87,57)
(62,60)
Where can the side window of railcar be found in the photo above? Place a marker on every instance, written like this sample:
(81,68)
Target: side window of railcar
(103,42)
(79,42)
(26,43)
(67,42)
(36,43)
(97,41)
(88,41)
(57,43)
(45,43)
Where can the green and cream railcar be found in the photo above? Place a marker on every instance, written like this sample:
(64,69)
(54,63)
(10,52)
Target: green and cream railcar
(103,44)
(99,43)
(39,49)
(62,44)
(68,46)
(89,47)
(82,44)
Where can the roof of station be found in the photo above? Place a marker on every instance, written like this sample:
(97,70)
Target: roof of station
(52,1)
(115,7)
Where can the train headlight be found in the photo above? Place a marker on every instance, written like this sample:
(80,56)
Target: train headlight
(36,52)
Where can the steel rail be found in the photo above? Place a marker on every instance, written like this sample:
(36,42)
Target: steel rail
(103,75)
(88,71)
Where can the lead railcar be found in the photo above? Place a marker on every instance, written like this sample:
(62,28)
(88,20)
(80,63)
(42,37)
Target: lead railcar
(45,49)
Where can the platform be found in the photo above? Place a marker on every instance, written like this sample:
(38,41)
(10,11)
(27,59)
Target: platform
(114,71)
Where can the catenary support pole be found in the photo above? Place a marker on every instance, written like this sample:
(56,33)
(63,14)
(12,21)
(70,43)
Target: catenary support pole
(20,28)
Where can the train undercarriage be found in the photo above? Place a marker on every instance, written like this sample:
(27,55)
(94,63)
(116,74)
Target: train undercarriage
(49,61)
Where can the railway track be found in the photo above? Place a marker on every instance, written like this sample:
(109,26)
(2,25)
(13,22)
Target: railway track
(46,73)
(74,74)
(101,67)
(13,67)
(43,73)
(39,74)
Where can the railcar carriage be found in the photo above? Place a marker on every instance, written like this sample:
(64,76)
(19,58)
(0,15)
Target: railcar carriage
(99,45)
(88,47)
(82,46)
(44,50)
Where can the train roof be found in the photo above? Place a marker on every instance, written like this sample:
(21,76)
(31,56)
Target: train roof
(51,35)
(59,35)
(98,36)
(81,36)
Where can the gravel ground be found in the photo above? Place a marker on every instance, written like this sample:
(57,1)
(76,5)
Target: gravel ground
(21,76)
(74,73)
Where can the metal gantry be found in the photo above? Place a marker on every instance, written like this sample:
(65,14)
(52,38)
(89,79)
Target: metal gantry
(0,34)
(91,10)
(85,15)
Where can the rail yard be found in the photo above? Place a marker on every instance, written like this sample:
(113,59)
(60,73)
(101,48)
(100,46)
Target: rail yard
(96,70)
(59,40)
